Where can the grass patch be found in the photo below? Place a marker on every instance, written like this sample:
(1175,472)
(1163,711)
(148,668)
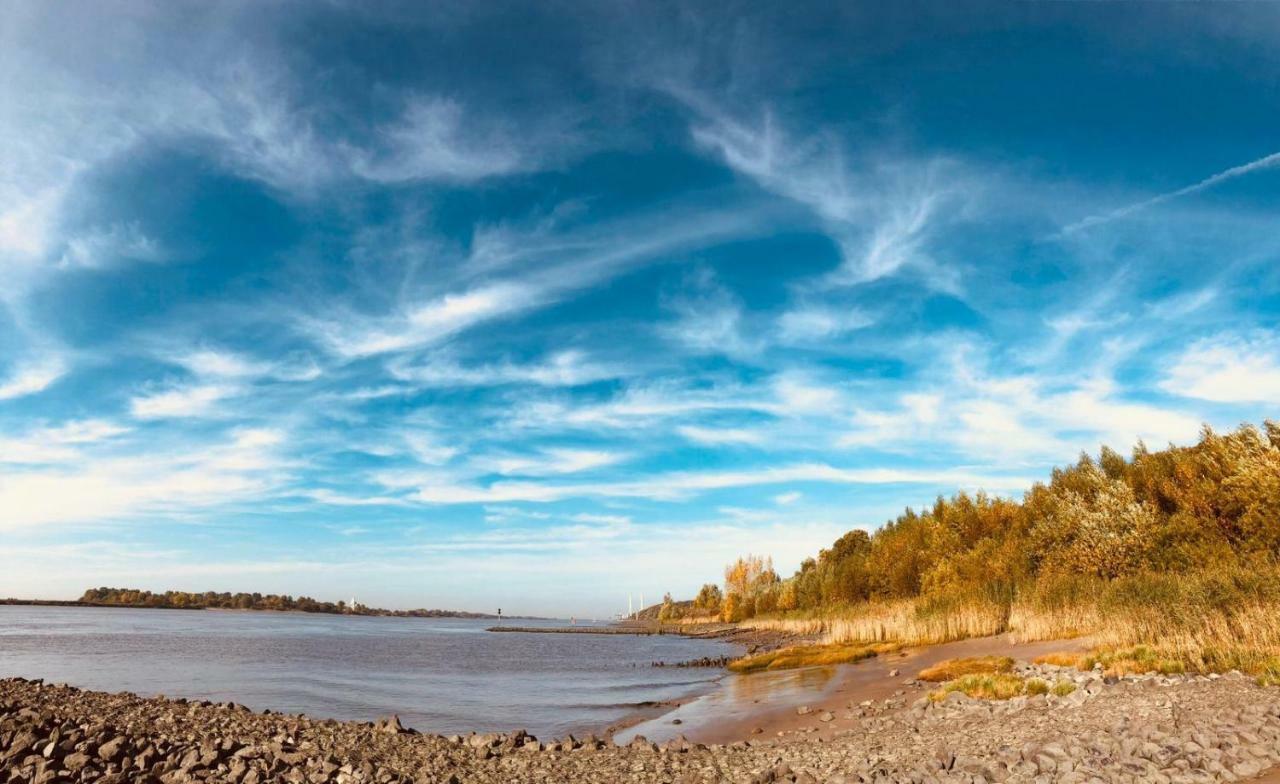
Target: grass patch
(952,669)
(1134,661)
(997,686)
(1168,660)
(809,656)
(1000,686)
(1061,659)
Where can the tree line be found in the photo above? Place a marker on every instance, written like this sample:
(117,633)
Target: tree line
(1210,510)
(133,597)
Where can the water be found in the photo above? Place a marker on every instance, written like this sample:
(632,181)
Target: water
(439,675)
(738,700)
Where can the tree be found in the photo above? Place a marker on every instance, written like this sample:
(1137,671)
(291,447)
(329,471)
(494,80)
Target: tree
(709,598)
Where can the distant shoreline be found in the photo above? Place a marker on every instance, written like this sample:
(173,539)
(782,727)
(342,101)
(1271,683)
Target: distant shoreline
(371,613)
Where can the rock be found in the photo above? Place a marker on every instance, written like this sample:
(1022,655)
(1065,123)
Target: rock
(390,725)
(894,673)
(75,762)
(1149,729)
(112,750)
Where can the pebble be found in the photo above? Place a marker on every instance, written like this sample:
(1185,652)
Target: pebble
(1169,729)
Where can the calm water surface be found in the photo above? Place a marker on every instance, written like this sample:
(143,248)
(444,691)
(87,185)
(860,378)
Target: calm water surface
(439,675)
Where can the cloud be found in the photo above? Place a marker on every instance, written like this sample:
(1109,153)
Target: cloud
(118,489)
(720,436)
(188,401)
(786,499)
(616,521)
(1022,417)
(328,497)
(426,448)
(819,323)
(100,247)
(639,406)
(221,364)
(435,139)
(550,461)
(428,323)
(1228,369)
(679,485)
(507,514)
(709,319)
(881,218)
(57,444)
(798,394)
(1266,162)
(32,377)
(562,369)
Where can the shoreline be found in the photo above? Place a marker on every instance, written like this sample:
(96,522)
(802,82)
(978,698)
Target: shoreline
(368,613)
(1135,727)
(764,705)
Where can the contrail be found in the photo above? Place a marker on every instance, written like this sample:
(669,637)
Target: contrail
(1236,171)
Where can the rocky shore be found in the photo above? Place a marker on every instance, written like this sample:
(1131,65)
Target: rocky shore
(1134,729)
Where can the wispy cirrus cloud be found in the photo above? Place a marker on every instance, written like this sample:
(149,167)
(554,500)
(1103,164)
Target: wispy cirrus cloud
(720,436)
(428,323)
(555,270)
(181,401)
(549,461)
(816,323)
(562,369)
(57,443)
(683,485)
(881,213)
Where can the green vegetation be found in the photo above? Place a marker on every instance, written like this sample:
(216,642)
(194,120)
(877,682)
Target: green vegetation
(809,656)
(132,597)
(1139,659)
(1176,549)
(997,686)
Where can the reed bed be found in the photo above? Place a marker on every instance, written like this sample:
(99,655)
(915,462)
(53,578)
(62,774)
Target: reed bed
(1213,621)
(909,622)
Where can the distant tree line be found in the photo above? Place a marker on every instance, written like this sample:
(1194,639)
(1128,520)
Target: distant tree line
(133,597)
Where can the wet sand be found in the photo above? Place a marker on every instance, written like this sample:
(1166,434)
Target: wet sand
(767,701)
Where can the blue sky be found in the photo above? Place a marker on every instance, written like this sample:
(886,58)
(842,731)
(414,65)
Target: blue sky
(535,305)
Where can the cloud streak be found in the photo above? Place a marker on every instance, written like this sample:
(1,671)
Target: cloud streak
(1266,162)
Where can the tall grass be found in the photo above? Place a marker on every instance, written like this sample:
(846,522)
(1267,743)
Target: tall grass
(909,621)
(1210,620)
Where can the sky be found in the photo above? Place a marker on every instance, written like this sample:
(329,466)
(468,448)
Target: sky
(541,305)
